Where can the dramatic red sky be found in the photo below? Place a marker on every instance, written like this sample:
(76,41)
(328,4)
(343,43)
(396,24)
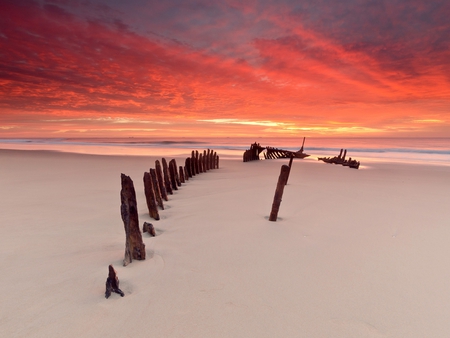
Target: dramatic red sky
(113,68)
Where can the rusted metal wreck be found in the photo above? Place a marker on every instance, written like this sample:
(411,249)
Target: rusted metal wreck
(256,149)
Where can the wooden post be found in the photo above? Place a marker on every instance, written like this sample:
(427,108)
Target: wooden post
(186,175)
(160,178)
(193,171)
(279,192)
(208,160)
(187,166)
(175,170)
(173,175)
(211,160)
(200,163)
(167,183)
(197,169)
(181,170)
(156,189)
(150,197)
(134,246)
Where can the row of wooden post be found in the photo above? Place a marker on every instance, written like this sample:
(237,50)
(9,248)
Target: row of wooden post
(158,184)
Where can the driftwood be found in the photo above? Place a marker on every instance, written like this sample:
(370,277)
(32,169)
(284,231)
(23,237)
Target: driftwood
(150,197)
(167,183)
(156,188)
(279,192)
(112,283)
(159,176)
(148,227)
(134,246)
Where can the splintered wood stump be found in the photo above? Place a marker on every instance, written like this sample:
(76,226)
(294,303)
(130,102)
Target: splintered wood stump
(167,183)
(159,176)
(134,246)
(112,283)
(150,197)
(156,188)
(279,193)
(148,227)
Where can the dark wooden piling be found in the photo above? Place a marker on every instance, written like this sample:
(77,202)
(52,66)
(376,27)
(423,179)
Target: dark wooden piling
(156,188)
(159,176)
(187,165)
(134,246)
(181,174)
(197,169)
(167,182)
(173,175)
(200,163)
(186,175)
(150,197)
(193,171)
(279,193)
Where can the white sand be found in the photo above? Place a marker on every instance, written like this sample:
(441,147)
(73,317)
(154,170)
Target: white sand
(355,253)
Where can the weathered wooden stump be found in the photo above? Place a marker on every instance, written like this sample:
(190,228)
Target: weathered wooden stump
(156,189)
(175,170)
(200,163)
(197,169)
(112,283)
(181,170)
(186,175)
(134,246)
(167,183)
(193,171)
(279,192)
(148,227)
(150,197)
(159,176)
(173,175)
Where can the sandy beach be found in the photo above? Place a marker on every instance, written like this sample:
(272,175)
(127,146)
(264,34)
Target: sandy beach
(354,253)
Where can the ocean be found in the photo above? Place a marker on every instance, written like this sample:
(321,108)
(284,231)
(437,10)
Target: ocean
(435,151)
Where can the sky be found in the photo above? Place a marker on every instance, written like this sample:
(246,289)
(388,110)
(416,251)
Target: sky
(110,68)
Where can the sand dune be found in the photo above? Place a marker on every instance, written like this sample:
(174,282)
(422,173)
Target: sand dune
(355,253)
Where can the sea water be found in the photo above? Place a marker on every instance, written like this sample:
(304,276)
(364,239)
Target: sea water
(434,151)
